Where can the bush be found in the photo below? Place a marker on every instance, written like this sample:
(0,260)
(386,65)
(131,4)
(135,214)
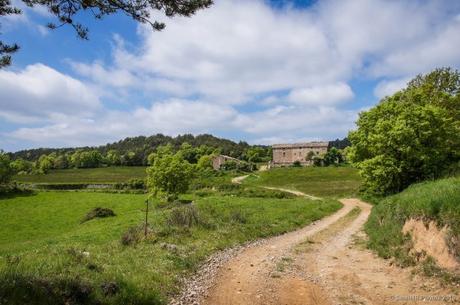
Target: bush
(133,235)
(238,217)
(136,184)
(296,164)
(98,213)
(185,216)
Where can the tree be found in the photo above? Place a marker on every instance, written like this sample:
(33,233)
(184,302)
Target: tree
(310,156)
(68,11)
(6,171)
(411,136)
(113,157)
(169,176)
(205,162)
(61,162)
(333,156)
(45,163)
(21,166)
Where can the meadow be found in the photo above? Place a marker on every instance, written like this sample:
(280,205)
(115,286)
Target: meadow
(317,181)
(115,174)
(49,256)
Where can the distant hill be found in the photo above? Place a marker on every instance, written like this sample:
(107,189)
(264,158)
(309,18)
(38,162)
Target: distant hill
(140,147)
(143,146)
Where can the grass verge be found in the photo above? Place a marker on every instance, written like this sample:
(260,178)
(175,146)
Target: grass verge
(428,201)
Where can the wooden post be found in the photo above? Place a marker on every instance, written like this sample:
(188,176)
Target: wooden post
(146,217)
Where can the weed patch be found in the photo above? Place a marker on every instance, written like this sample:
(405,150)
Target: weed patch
(98,213)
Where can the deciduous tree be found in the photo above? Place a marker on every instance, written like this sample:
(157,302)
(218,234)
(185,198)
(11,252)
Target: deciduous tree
(410,136)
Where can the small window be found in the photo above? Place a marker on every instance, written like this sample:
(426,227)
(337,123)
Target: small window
(284,154)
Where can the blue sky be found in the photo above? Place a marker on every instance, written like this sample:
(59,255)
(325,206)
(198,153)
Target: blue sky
(253,70)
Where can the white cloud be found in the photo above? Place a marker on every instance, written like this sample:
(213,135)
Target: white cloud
(244,67)
(40,93)
(321,95)
(388,87)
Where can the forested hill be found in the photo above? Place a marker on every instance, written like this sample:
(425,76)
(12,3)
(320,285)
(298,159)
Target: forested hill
(142,146)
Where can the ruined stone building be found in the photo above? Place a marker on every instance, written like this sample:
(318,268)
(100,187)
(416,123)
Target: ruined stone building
(219,160)
(287,154)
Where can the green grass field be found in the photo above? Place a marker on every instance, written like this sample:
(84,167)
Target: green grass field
(48,257)
(87,175)
(318,181)
(433,200)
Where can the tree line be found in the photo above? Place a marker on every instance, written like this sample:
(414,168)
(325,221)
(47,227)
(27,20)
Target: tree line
(135,151)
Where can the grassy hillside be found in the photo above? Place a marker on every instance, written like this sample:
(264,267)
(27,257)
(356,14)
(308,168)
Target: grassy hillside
(87,175)
(48,256)
(317,181)
(436,200)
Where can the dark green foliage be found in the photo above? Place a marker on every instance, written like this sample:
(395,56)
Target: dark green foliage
(5,49)
(135,151)
(132,184)
(6,170)
(296,164)
(339,144)
(411,136)
(333,157)
(429,201)
(98,213)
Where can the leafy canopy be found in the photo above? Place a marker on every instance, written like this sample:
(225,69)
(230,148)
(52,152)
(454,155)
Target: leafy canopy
(410,136)
(67,11)
(170,175)
(6,170)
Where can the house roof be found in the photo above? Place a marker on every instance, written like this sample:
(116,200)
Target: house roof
(298,145)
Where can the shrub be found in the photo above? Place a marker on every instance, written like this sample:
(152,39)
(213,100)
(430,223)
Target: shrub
(184,216)
(296,164)
(133,235)
(136,184)
(98,213)
(238,217)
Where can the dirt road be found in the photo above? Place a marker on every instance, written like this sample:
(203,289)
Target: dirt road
(323,263)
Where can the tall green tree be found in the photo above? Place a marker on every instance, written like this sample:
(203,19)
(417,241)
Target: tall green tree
(6,171)
(68,12)
(169,176)
(410,136)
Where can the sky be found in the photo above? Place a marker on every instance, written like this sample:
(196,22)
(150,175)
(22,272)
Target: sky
(259,71)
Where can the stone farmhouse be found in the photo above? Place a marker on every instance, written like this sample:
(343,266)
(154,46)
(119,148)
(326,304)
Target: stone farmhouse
(287,154)
(219,160)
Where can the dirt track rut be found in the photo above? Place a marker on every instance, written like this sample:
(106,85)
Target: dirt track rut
(333,269)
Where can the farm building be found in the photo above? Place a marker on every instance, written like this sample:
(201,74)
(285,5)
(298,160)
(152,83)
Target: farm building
(217,161)
(287,154)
